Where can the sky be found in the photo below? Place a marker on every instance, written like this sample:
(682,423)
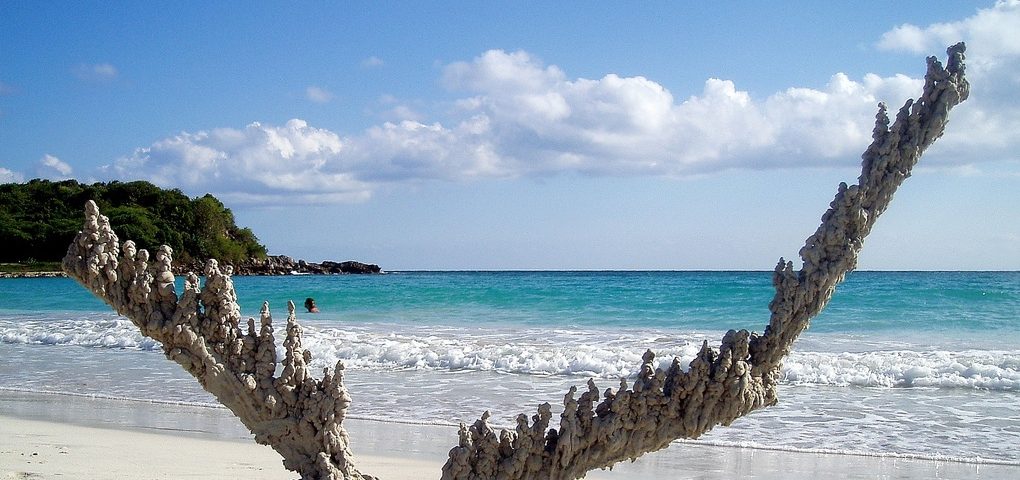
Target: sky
(524,135)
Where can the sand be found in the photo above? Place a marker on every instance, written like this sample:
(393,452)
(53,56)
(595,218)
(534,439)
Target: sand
(45,436)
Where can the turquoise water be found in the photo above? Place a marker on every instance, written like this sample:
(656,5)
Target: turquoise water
(920,364)
(868,302)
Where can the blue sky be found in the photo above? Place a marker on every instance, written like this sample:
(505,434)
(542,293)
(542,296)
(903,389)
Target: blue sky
(523,135)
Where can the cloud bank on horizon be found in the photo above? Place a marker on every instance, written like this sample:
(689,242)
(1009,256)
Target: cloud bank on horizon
(516,116)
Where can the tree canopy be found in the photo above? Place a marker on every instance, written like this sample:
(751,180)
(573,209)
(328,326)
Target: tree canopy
(38,219)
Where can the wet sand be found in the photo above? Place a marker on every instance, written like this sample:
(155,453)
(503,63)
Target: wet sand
(49,436)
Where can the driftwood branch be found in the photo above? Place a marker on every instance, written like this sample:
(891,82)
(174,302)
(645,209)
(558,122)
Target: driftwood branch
(301,417)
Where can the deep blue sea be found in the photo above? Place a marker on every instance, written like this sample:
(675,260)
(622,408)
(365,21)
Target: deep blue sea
(913,364)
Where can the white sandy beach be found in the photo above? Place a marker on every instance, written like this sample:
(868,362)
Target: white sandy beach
(55,436)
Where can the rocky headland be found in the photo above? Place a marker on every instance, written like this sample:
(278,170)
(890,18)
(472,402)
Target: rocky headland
(284,265)
(31,274)
(271,265)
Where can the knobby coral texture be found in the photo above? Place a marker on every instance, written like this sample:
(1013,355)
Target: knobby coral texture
(302,417)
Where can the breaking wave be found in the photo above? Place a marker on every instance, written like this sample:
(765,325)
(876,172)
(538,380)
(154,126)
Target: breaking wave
(606,354)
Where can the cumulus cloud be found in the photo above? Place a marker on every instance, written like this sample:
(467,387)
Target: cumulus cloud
(539,120)
(53,168)
(259,163)
(99,72)
(8,176)
(986,125)
(992,29)
(514,115)
(318,94)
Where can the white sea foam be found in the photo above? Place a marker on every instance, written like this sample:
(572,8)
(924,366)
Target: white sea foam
(856,452)
(103,331)
(120,398)
(606,354)
(945,423)
(992,370)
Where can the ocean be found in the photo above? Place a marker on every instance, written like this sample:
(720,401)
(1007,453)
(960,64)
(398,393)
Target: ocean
(901,364)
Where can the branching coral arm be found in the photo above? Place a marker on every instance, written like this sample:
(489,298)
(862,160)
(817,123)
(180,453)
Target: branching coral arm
(741,376)
(299,416)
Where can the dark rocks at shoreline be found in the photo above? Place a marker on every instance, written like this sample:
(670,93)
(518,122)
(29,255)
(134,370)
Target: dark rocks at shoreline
(32,274)
(272,265)
(284,265)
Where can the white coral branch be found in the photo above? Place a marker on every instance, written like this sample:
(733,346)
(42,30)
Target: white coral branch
(742,375)
(300,417)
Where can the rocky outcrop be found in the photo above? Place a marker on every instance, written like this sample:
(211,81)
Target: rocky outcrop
(284,265)
(350,266)
(32,274)
(301,417)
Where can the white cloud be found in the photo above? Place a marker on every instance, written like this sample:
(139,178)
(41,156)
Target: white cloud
(99,72)
(906,37)
(372,62)
(989,30)
(53,168)
(8,176)
(318,94)
(411,150)
(515,116)
(541,121)
(260,163)
(495,69)
(985,127)
(832,125)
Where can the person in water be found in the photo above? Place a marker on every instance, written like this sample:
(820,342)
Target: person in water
(310,305)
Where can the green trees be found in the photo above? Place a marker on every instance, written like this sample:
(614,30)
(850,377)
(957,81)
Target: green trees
(220,238)
(39,218)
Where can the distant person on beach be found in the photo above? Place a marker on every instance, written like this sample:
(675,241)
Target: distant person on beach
(310,305)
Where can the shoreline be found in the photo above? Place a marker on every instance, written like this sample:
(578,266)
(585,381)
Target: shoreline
(40,274)
(272,265)
(56,436)
(60,274)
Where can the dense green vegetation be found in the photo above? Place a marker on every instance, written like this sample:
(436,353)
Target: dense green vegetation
(28,267)
(39,219)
